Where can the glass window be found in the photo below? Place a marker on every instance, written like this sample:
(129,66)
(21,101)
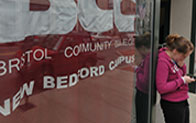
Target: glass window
(142,61)
(75,61)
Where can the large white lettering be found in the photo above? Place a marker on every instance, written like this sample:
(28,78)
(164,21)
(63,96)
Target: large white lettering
(17,63)
(18,22)
(126,59)
(92,18)
(124,23)
(6,110)
(61,17)
(86,47)
(16,99)
(66,81)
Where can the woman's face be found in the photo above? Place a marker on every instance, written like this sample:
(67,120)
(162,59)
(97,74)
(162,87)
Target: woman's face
(143,51)
(178,57)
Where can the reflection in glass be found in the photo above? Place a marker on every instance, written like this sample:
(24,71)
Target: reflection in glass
(142,60)
(142,44)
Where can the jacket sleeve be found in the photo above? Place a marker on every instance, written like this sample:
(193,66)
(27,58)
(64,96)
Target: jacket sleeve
(162,73)
(143,73)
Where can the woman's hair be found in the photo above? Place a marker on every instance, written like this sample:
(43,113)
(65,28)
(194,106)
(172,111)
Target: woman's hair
(181,44)
(143,40)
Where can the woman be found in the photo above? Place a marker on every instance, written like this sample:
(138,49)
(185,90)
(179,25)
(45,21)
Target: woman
(171,79)
(142,44)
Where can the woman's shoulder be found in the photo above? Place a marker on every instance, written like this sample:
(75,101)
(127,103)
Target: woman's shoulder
(163,59)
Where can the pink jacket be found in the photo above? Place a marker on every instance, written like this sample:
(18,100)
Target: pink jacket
(142,75)
(169,80)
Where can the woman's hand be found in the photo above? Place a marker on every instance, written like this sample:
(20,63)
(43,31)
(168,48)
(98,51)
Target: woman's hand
(188,79)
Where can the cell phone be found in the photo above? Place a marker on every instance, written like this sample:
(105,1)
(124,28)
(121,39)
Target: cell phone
(192,76)
(192,86)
